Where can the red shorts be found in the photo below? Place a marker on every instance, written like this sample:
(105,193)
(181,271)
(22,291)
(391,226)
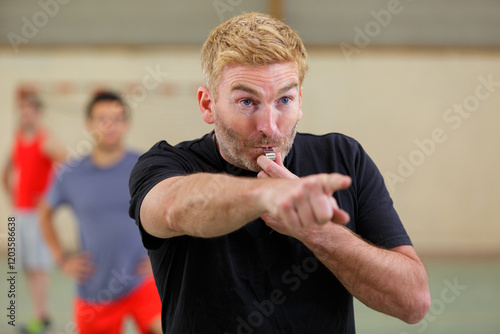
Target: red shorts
(142,304)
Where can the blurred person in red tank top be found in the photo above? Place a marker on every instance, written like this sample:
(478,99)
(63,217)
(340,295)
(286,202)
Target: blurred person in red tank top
(25,178)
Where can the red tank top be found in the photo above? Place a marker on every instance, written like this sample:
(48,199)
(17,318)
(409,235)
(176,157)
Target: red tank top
(32,169)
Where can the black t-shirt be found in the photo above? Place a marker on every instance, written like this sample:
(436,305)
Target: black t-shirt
(255,280)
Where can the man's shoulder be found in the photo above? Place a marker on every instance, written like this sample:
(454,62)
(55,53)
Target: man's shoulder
(190,149)
(326,153)
(187,144)
(71,167)
(131,156)
(331,140)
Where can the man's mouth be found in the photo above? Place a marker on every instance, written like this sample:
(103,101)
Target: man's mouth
(269,152)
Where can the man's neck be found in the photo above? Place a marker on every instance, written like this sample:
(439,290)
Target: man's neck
(28,132)
(214,138)
(103,157)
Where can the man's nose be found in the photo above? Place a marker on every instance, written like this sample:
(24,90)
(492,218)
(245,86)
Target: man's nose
(266,122)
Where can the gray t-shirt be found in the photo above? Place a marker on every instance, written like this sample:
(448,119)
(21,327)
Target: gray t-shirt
(99,199)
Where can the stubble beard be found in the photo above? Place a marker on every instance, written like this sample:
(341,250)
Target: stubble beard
(236,150)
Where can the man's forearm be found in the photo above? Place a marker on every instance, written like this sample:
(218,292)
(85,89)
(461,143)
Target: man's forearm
(49,232)
(6,177)
(388,281)
(53,148)
(211,205)
(203,205)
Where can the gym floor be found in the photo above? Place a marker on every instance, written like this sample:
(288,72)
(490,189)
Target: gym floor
(465,299)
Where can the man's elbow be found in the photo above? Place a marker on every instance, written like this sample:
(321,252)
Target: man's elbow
(158,221)
(418,307)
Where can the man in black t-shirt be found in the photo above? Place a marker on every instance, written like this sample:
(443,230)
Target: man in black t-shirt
(240,243)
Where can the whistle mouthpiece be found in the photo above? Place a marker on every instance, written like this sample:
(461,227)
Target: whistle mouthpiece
(269,152)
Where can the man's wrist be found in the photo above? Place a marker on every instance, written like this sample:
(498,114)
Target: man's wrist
(62,259)
(324,240)
(258,193)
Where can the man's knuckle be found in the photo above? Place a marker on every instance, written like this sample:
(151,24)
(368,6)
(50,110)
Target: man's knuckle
(285,205)
(309,184)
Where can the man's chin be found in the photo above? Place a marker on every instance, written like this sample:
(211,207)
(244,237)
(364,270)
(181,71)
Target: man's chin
(249,164)
(109,147)
(254,168)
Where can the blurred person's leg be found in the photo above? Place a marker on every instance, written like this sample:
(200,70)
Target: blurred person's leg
(34,258)
(145,307)
(38,285)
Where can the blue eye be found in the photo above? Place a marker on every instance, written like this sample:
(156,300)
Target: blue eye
(246,102)
(285,100)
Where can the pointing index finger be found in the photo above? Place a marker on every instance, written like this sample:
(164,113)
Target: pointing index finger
(333,182)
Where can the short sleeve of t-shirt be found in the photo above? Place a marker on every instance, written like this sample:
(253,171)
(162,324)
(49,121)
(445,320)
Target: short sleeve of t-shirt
(161,162)
(56,195)
(377,220)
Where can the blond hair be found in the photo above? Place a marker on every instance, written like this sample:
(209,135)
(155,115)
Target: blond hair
(252,39)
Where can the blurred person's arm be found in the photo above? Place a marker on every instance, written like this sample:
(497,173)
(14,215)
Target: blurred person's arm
(78,266)
(6,179)
(144,267)
(53,148)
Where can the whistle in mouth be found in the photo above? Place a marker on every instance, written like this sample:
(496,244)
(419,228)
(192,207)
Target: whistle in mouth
(269,152)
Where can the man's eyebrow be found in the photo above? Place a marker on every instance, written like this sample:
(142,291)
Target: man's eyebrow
(288,87)
(250,90)
(244,88)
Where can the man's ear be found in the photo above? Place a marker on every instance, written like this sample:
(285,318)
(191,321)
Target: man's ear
(300,104)
(206,103)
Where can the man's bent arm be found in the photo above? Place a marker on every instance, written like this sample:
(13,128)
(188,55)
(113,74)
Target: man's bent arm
(46,213)
(78,266)
(53,148)
(390,281)
(210,205)
(6,174)
(203,205)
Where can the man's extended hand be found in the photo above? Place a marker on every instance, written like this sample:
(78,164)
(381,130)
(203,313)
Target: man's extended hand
(306,203)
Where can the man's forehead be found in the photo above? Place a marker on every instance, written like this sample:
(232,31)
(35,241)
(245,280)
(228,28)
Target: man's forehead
(282,76)
(274,69)
(108,106)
